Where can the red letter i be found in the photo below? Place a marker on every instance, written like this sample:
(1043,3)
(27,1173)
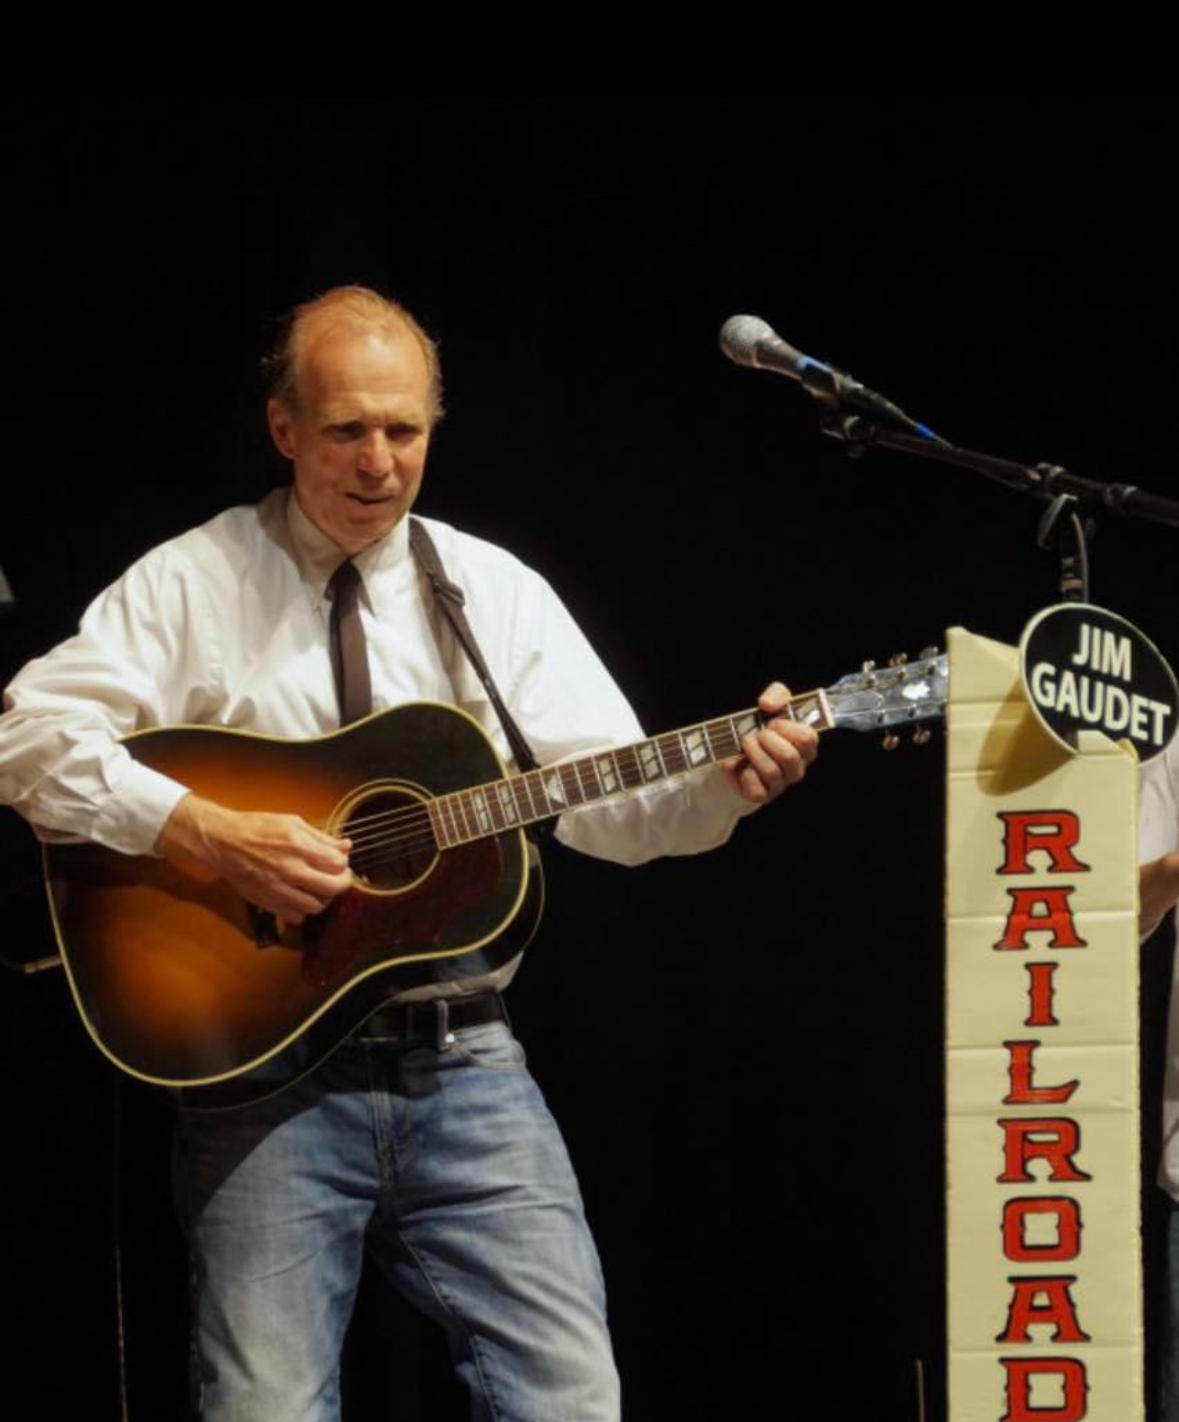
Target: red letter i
(1042,995)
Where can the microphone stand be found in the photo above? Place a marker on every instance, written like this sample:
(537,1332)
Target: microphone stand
(1068,522)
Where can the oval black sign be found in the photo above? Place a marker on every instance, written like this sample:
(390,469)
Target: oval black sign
(1087,669)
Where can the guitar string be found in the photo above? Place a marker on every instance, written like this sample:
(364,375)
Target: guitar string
(568,772)
(462,808)
(364,863)
(372,827)
(415,831)
(411,827)
(666,741)
(393,828)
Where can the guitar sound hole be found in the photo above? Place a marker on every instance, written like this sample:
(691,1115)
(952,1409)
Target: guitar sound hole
(393,843)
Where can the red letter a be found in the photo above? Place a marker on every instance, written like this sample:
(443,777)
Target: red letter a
(1057,1310)
(1055,917)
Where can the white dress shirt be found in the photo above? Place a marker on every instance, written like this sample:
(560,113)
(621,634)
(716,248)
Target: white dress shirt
(228,625)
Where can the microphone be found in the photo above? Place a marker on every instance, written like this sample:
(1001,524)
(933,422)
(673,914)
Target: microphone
(748,340)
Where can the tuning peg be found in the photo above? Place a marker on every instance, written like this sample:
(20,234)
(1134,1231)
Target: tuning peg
(928,653)
(898,659)
(921,736)
(868,668)
(891,741)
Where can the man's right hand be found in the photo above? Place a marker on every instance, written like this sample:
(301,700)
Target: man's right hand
(278,862)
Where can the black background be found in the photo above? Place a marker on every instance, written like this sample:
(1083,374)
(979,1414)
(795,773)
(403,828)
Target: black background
(744,1050)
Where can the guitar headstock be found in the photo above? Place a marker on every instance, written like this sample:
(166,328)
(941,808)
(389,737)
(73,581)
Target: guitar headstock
(887,698)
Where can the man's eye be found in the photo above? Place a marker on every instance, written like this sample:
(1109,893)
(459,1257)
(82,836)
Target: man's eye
(402,433)
(351,430)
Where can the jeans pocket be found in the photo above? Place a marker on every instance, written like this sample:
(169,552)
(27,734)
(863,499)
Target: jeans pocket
(491,1046)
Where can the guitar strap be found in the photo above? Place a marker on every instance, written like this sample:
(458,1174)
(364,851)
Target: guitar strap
(449,598)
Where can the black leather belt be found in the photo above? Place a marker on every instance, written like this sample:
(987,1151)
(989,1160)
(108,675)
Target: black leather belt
(411,1024)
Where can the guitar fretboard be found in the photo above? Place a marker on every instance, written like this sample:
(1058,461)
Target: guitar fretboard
(536,795)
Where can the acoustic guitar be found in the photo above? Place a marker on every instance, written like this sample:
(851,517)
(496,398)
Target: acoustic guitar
(183,983)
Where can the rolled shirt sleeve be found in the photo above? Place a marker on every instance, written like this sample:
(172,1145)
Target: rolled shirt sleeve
(569,705)
(130,666)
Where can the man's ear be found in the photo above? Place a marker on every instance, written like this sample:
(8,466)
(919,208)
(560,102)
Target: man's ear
(281,423)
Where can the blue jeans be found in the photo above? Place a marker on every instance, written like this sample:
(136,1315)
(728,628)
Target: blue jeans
(448,1169)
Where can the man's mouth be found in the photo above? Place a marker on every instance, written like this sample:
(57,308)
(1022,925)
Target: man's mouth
(375,499)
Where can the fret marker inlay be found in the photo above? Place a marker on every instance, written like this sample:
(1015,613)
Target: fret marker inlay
(607,774)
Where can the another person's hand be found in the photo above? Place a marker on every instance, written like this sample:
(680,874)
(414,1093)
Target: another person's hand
(1158,891)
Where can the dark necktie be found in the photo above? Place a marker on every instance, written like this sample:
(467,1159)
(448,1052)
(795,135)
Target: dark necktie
(349,653)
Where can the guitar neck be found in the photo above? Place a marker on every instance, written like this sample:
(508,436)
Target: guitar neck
(535,795)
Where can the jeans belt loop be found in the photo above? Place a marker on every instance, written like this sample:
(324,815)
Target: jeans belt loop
(444,1038)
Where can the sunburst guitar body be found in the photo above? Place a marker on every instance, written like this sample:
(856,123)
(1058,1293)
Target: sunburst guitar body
(181,982)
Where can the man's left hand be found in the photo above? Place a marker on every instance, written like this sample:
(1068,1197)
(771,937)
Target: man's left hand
(777,755)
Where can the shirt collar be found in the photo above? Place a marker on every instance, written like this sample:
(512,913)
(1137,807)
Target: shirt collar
(319,557)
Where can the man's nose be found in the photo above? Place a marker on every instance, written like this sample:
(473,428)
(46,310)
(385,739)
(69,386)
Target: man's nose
(376,455)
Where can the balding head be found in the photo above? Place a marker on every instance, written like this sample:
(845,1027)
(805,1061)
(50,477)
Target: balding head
(355,309)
